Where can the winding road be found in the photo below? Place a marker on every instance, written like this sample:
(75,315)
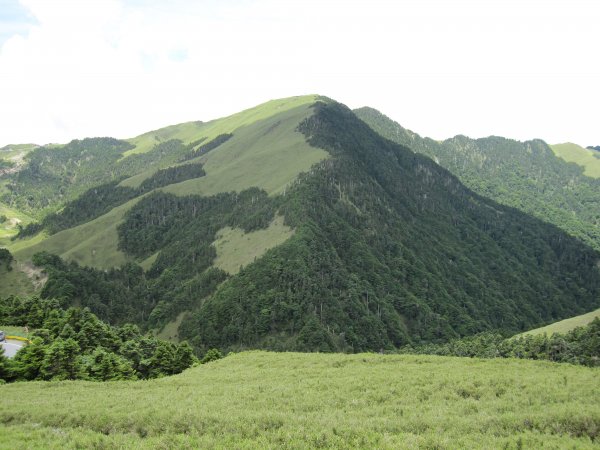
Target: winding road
(11,347)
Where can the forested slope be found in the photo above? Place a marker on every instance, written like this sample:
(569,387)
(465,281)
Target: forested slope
(388,248)
(526,175)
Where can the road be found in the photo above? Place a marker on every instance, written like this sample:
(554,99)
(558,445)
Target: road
(11,347)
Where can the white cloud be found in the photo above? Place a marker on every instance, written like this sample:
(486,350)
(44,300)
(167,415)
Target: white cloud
(520,69)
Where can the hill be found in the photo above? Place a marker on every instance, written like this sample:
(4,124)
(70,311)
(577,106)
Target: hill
(557,184)
(52,176)
(264,151)
(265,400)
(587,158)
(306,230)
(564,326)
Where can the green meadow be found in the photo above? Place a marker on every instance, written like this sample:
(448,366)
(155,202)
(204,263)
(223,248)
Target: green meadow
(93,243)
(564,326)
(292,400)
(10,218)
(584,157)
(237,249)
(14,282)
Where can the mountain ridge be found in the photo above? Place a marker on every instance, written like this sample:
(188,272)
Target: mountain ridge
(529,175)
(386,247)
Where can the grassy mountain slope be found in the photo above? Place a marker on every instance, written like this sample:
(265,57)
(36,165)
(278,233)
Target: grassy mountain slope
(191,131)
(52,176)
(584,157)
(269,154)
(92,244)
(525,175)
(10,219)
(566,325)
(236,249)
(266,400)
(265,152)
(15,282)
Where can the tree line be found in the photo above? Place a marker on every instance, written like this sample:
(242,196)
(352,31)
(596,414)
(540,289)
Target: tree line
(578,346)
(70,344)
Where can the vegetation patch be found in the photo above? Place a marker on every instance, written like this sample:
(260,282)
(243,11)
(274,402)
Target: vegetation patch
(587,158)
(170,332)
(15,281)
(564,326)
(236,249)
(11,222)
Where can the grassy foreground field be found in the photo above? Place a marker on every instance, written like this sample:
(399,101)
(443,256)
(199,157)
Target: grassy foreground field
(279,400)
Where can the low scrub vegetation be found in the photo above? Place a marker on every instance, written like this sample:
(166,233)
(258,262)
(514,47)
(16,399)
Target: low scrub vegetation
(276,400)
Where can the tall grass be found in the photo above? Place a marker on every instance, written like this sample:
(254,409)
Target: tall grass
(279,400)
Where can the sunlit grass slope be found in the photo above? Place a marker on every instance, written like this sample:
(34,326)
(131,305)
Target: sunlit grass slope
(236,249)
(287,400)
(265,151)
(192,131)
(583,157)
(8,227)
(92,244)
(11,151)
(268,154)
(186,132)
(564,325)
(14,282)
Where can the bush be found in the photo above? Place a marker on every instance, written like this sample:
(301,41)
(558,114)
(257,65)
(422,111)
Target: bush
(212,355)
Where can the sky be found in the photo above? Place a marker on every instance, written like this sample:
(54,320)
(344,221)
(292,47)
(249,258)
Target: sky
(520,69)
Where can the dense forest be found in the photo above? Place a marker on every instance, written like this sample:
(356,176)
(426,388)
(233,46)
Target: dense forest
(525,175)
(389,250)
(69,344)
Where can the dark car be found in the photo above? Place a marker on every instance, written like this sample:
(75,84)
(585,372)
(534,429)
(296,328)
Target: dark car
(2,336)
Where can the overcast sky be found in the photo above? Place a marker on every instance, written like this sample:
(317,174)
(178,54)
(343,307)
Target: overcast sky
(520,69)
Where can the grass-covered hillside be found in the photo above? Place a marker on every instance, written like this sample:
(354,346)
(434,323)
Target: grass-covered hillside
(566,325)
(559,184)
(290,400)
(264,151)
(587,158)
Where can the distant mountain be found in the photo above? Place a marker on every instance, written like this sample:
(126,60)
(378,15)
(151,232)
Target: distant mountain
(597,148)
(293,226)
(559,184)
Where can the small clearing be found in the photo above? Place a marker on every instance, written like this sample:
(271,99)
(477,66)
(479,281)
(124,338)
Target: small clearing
(236,249)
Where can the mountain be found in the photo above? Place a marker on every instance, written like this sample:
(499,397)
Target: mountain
(291,226)
(559,184)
